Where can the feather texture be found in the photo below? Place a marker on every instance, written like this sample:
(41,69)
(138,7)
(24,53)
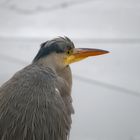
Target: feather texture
(32,109)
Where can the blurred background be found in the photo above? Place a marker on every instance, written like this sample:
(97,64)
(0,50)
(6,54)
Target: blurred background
(106,89)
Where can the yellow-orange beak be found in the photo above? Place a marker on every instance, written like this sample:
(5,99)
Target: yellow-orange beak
(82,53)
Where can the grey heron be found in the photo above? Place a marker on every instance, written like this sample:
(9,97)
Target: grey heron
(36,103)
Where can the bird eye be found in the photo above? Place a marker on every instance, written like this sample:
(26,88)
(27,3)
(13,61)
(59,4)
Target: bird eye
(69,52)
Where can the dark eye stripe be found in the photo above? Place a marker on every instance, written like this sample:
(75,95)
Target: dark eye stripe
(58,45)
(44,51)
(43,44)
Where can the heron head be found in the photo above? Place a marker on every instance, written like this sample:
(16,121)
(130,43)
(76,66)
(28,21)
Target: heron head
(61,51)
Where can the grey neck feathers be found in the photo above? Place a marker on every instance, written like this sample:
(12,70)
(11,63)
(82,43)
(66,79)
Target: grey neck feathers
(59,70)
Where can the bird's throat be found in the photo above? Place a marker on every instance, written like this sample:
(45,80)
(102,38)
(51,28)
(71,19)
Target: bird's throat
(66,74)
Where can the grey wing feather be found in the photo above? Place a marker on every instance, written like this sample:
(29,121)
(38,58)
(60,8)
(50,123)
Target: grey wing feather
(30,109)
